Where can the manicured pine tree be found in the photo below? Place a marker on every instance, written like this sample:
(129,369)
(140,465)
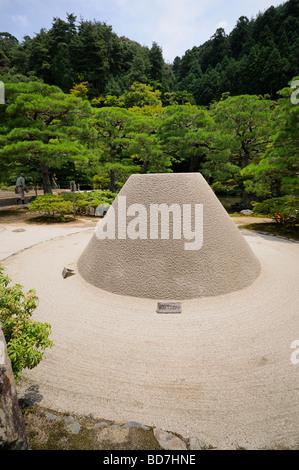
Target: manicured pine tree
(40,126)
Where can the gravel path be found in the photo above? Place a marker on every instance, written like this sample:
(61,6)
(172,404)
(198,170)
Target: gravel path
(16,237)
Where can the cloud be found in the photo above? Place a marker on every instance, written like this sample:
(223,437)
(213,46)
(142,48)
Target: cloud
(20,20)
(178,24)
(222,24)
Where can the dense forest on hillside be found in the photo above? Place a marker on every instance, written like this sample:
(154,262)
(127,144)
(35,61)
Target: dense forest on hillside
(259,56)
(72,52)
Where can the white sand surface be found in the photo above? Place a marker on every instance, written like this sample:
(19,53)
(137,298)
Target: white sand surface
(221,370)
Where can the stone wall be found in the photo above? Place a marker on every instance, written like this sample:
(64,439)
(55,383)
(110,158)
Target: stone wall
(12,427)
(12,201)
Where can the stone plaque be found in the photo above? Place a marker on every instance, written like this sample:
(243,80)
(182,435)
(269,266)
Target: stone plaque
(169,307)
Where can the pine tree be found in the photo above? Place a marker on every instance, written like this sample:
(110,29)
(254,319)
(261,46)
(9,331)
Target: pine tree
(156,62)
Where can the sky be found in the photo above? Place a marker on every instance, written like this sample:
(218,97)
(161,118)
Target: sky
(176,25)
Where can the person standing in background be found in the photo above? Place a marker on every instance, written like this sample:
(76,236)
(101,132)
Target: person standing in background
(54,181)
(21,188)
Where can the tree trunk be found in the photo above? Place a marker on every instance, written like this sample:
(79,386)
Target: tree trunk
(246,158)
(46,178)
(194,164)
(145,167)
(245,202)
(113,182)
(12,426)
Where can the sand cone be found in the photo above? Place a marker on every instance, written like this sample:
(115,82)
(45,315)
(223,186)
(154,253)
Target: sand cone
(216,261)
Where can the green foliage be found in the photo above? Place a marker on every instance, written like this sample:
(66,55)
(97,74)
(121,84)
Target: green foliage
(178,97)
(128,143)
(101,181)
(285,209)
(26,339)
(51,205)
(258,57)
(218,187)
(108,101)
(40,127)
(91,197)
(142,95)
(114,174)
(185,135)
(247,120)
(245,125)
(245,143)
(80,90)
(72,52)
(276,173)
(156,62)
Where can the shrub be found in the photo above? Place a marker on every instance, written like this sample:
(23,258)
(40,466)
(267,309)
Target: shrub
(26,339)
(285,209)
(91,199)
(51,205)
